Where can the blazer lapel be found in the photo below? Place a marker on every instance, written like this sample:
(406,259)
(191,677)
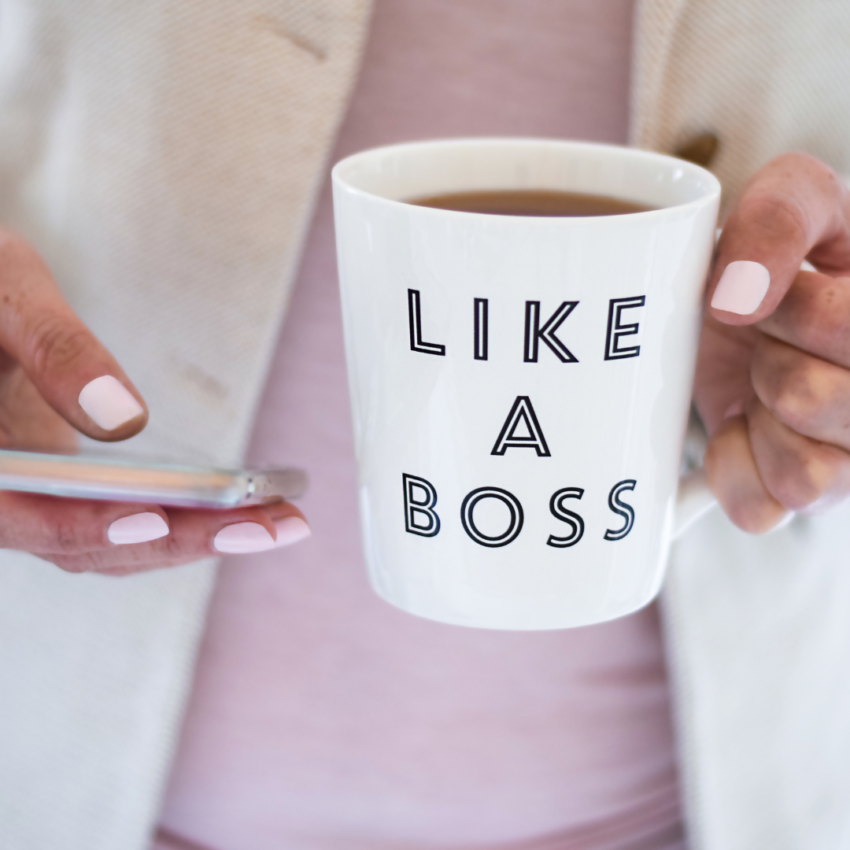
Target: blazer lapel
(164,159)
(756,627)
(655,25)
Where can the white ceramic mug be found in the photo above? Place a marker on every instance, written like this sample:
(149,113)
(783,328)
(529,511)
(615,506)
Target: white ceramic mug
(520,386)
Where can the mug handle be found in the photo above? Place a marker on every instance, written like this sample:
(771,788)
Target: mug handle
(693,501)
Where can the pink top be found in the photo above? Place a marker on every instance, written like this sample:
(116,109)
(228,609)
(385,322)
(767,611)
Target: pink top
(324,719)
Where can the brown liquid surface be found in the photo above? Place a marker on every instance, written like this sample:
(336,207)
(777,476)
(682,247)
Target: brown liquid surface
(532,202)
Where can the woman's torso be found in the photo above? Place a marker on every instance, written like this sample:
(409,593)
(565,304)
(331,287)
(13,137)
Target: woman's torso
(321,717)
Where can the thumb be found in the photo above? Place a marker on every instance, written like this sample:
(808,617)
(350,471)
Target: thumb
(72,371)
(795,207)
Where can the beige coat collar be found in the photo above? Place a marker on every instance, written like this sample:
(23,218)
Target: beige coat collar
(757,628)
(164,158)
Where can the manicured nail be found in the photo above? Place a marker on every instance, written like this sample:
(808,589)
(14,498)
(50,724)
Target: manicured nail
(137,528)
(741,287)
(243,537)
(109,403)
(786,520)
(290,530)
(735,409)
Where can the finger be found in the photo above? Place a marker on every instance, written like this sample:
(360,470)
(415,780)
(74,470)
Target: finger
(28,421)
(47,525)
(196,534)
(722,383)
(814,316)
(795,207)
(806,394)
(74,373)
(734,479)
(798,472)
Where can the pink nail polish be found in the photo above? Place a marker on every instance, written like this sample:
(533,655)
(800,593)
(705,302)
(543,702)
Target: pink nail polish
(734,409)
(109,403)
(137,528)
(243,537)
(741,287)
(290,530)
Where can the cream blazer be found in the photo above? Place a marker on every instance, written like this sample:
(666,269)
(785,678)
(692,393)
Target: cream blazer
(164,157)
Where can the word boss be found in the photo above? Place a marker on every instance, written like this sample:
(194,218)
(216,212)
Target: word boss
(521,429)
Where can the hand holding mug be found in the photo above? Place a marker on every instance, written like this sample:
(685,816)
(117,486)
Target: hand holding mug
(772,382)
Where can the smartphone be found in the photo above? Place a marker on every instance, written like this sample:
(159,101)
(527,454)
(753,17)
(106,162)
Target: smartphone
(88,477)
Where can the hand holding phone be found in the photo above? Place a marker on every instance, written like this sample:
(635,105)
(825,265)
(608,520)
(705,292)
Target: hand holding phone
(56,379)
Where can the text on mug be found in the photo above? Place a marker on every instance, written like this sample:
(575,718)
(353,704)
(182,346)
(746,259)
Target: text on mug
(536,330)
(421,517)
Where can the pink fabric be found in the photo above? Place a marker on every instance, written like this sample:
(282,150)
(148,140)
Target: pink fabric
(323,718)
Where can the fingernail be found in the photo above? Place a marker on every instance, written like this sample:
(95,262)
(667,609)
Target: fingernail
(137,528)
(290,530)
(109,403)
(785,521)
(735,409)
(741,287)
(243,537)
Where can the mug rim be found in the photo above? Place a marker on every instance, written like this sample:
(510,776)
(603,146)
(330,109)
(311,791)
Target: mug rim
(340,178)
